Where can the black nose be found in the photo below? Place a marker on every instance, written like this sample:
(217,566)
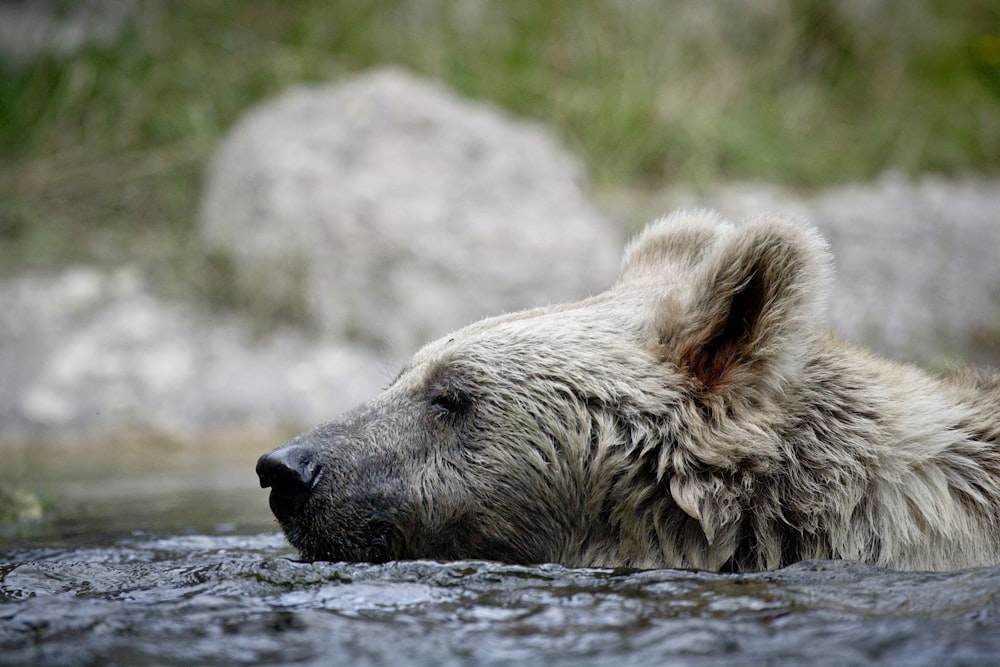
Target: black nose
(291,472)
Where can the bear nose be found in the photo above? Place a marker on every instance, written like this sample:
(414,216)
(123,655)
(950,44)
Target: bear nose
(291,472)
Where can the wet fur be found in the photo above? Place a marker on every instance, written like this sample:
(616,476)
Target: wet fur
(695,415)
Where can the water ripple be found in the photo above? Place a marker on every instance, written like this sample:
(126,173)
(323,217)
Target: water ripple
(236,599)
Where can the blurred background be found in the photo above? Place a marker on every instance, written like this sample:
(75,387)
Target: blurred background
(110,110)
(131,324)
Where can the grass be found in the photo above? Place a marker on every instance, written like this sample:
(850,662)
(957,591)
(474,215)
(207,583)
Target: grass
(101,153)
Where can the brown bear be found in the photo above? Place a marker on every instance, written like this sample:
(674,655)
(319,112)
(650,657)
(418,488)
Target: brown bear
(695,415)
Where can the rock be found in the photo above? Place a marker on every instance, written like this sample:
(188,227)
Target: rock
(88,353)
(391,211)
(917,263)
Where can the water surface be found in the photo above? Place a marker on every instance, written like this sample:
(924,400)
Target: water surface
(184,566)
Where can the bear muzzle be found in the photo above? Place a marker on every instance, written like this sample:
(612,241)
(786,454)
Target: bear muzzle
(332,507)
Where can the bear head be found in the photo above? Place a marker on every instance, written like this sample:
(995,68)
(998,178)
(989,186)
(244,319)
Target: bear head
(625,429)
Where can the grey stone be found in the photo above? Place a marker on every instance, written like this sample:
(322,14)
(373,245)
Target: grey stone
(88,352)
(392,211)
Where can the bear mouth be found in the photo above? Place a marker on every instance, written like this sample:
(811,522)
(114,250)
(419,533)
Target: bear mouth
(371,543)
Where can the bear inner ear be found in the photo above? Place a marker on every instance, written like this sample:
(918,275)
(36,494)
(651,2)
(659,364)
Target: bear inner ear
(730,335)
(754,301)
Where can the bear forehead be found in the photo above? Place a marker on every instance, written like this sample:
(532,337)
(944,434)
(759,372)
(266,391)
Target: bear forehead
(565,336)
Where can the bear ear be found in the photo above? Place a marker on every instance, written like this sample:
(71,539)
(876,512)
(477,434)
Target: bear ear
(671,246)
(749,296)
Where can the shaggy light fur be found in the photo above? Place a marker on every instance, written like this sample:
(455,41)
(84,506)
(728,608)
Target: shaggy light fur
(695,415)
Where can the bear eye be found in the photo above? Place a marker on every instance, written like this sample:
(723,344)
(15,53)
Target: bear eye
(449,402)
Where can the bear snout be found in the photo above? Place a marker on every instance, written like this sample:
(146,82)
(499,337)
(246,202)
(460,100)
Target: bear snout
(291,472)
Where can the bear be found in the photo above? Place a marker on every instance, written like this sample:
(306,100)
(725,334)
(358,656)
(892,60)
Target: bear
(696,415)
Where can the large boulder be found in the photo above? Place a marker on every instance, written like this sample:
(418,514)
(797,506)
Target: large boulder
(388,210)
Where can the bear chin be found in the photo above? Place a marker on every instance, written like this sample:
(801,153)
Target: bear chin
(370,545)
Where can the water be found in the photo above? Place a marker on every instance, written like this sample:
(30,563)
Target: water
(184,567)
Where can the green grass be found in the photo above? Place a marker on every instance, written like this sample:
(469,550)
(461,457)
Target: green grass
(101,154)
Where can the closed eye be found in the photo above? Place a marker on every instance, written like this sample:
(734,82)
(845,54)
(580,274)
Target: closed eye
(450,402)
